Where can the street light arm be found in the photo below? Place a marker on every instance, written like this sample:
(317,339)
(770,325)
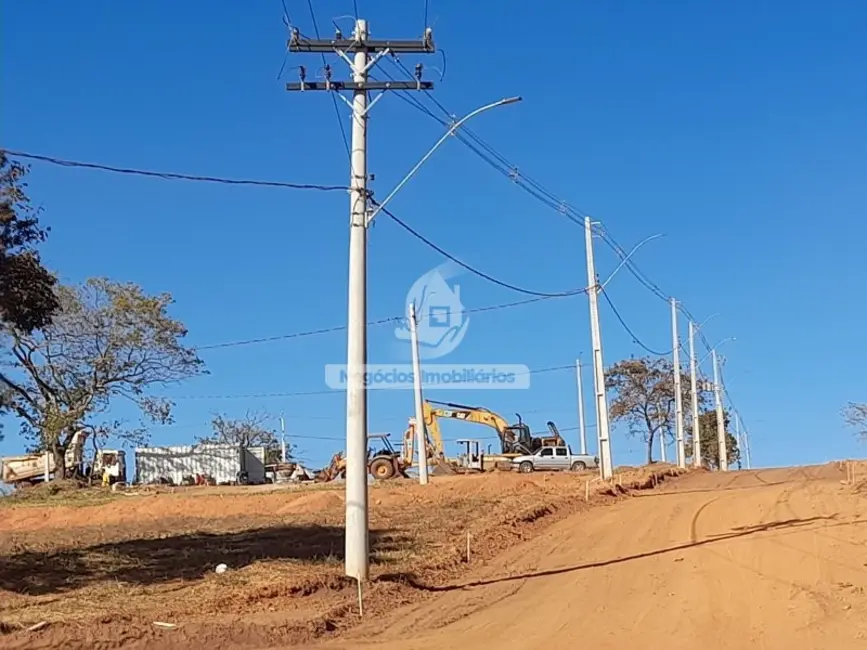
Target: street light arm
(626,257)
(451,130)
(716,347)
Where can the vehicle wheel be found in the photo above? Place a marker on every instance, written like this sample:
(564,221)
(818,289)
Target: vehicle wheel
(382,469)
(578,466)
(526,467)
(243,478)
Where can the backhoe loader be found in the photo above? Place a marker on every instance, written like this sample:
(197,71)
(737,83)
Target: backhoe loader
(382,464)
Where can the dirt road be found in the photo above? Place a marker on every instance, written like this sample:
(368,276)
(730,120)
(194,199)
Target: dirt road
(773,559)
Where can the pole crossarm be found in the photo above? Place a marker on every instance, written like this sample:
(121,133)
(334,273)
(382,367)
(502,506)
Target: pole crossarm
(361,85)
(299,43)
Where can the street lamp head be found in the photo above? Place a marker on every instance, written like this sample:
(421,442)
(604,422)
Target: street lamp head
(510,100)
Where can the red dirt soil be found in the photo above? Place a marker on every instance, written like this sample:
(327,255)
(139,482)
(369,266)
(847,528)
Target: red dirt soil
(772,559)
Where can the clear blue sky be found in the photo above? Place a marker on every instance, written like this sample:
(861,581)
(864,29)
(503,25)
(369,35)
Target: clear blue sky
(735,128)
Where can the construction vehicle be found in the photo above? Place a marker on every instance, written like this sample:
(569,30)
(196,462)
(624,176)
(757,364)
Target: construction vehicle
(106,465)
(515,439)
(472,459)
(382,464)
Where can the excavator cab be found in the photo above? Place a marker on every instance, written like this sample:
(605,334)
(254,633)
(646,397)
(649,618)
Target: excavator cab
(517,438)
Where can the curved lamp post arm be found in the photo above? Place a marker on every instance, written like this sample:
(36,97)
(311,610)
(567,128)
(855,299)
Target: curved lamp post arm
(451,130)
(626,257)
(716,347)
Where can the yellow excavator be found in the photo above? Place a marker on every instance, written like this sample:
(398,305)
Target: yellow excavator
(515,439)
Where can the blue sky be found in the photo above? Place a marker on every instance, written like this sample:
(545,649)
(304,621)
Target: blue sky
(735,128)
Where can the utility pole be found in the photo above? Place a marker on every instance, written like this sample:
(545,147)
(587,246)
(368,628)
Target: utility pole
(420,430)
(582,426)
(696,428)
(741,452)
(747,449)
(367,53)
(678,396)
(602,425)
(282,438)
(720,422)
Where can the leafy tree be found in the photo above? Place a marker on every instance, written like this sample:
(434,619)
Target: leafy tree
(856,417)
(644,397)
(27,297)
(710,441)
(249,431)
(108,340)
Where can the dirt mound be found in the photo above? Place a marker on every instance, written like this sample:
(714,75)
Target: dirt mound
(313,503)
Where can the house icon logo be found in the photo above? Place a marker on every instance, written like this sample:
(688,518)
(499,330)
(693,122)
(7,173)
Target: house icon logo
(442,323)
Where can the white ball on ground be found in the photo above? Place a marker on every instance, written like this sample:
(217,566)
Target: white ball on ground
(222,568)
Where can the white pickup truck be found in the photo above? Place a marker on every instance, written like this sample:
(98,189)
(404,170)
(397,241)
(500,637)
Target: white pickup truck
(555,459)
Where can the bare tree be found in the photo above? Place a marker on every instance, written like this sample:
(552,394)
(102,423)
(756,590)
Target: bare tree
(250,431)
(855,415)
(108,340)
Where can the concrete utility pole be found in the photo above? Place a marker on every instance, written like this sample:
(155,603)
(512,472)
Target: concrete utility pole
(747,449)
(696,428)
(602,425)
(720,422)
(738,435)
(420,431)
(582,426)
(366,53)
(678,396)
(282,438)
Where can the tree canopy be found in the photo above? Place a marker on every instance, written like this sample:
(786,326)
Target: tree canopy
(27,297)
(644,397)
(249,431)
(710,441)
(108,340)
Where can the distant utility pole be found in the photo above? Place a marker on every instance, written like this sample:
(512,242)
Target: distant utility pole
(678,397)
(696,422)
(747,449)
(366,53)
(582,426)
(720,421)
(741,445)
(602,425)
(420,431)
(282,438)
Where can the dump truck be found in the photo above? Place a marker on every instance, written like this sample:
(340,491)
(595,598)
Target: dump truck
(33,468)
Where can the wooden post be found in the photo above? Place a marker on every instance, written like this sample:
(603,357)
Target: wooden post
(360,600)
(587,490)
(468,547)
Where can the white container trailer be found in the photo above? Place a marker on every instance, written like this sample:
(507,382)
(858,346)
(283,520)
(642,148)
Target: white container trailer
(254,464)
(224,463)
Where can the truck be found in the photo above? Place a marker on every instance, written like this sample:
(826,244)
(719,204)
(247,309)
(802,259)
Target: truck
(559,458)
(33,468)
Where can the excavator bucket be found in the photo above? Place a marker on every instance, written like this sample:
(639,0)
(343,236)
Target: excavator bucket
(443,467)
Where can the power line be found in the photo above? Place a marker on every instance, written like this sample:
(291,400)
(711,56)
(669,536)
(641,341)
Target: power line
(635,338)
(294,335)
(308,393)
(171,175)
(325,67)
(472,269)
(330,391)
(342,328)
